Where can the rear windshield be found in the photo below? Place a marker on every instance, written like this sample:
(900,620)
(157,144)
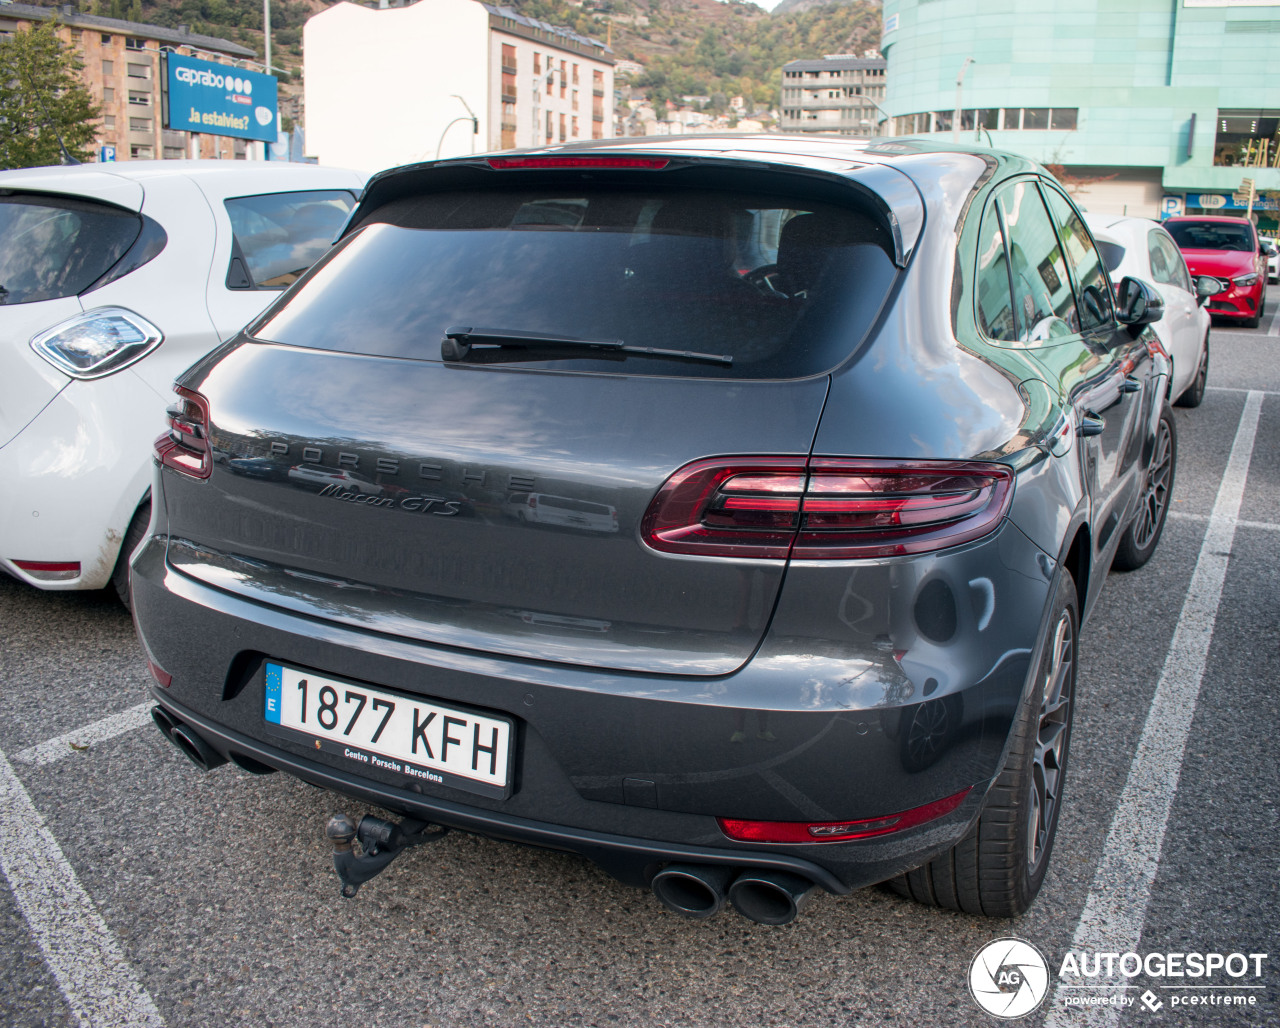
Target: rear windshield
(1210,235)
(784,287)
(51,247)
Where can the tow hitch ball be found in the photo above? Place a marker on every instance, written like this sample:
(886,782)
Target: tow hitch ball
(381,842)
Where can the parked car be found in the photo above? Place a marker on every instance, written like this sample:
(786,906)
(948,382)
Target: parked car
(867,491)
(1139,248)
(1273,258)
(113,279)
(1229,250)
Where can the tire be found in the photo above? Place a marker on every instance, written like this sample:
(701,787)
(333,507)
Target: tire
(1193,395)
(133,535)
(1142,535)
(997,869)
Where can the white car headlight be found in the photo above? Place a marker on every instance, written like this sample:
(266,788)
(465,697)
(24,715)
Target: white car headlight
(1245,280)
(97,342)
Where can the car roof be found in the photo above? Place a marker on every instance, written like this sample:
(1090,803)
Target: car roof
(125,184)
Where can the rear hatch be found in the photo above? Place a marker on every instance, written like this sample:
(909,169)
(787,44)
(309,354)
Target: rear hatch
(452,430)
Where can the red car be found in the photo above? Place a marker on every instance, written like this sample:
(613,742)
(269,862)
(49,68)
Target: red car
(1229,250)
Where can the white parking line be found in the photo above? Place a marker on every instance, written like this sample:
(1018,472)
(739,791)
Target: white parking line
(1269,526)
(67,744)
(78,947)
(1116,908)
(1238,389)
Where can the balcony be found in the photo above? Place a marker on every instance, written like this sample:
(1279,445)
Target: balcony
(509,69)
(597,92)
(508,98)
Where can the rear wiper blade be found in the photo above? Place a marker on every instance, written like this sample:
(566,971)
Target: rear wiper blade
(458,341)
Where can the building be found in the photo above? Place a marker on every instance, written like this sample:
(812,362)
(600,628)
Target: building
(1150,106)
(122,72)
(840,94)
(393,85)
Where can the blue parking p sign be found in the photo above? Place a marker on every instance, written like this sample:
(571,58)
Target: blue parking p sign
(220,99)
(106,154)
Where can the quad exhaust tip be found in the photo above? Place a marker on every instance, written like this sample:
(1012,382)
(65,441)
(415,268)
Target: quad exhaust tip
(699,891)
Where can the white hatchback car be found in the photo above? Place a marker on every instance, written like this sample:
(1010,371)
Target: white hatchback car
(1142,249)
(113,280)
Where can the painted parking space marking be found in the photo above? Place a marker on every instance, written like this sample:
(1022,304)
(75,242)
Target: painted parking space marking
(1268,526)
(1239,389)
(1115,910)
(69,743)
(78,947)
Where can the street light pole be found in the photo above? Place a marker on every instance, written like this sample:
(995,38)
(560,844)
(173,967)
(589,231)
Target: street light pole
(955,120)
(470,116)
(266,31)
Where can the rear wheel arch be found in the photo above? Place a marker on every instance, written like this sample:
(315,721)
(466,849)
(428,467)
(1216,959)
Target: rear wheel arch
(1076,559)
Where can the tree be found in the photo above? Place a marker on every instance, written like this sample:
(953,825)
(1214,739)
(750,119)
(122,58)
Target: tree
(41,98)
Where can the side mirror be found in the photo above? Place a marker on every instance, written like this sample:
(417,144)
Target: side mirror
(1207,286)
(1271,250)
(1137,303)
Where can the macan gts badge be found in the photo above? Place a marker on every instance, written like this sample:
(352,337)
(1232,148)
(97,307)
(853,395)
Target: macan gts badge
(746,555)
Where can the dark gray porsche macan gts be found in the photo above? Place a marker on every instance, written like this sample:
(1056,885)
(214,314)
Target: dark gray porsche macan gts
(723,510)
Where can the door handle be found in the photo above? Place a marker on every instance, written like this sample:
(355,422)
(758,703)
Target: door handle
(1090,424)
(1130,385)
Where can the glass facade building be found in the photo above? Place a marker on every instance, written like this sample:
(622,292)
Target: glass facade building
(1150,107)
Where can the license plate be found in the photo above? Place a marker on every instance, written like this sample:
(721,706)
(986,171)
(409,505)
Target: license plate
(420,739)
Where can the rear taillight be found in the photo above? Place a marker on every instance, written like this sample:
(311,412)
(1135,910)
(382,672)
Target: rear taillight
(185,447)
(829,508)
(838,831)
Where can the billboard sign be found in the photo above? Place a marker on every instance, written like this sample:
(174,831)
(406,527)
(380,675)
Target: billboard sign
(220,100)
(1229,202)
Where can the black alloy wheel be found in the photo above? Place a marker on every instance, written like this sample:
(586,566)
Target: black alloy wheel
(1143,533)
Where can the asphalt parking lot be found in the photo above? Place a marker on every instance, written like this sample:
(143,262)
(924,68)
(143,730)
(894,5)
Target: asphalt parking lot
(141,891)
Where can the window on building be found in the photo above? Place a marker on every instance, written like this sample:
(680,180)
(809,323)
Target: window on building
(108,95)
(108,69)
(563,129)
(139,99)
(76,34)
(106,39)
(575,99)
(549,123)
(575,74)
(1249,138)
(988,118)
(1035,118)
(537,63)
(108,121)
(942,121)
(139,71)
(133,43)
(139,124)
(508,58)
(573,127)
(564,85)
(173,153)
(1063,118)
(1012,118)
(141,153)
(1044,304)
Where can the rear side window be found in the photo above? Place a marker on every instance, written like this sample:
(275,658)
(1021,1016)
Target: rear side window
(278,236)
(1043,300)
(995,305)
(1167,264)
(782,285)
(1112,254)
(1093,288)
(51,247)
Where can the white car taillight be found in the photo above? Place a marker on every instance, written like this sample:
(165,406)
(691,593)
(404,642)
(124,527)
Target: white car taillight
(97,342)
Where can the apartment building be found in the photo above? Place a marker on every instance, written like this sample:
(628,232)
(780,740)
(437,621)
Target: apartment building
(840,93)
(442,78)
(122,72)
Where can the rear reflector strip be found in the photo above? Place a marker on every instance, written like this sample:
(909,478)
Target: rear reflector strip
(515,163)
(838,831)
(50,570)
(826,508)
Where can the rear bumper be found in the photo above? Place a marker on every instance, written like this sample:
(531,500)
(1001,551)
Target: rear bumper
(631,771)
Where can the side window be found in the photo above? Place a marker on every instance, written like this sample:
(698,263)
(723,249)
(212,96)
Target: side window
(278,236)
(1043,300)
(995,301)
(1092,285)
(1160,270)
(1174,267)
